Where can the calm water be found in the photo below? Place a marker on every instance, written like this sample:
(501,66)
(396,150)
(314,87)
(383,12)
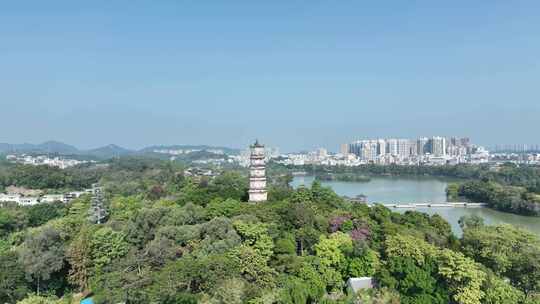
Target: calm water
(421,190)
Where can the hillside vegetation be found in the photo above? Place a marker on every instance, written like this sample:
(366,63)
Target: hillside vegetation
(174,239)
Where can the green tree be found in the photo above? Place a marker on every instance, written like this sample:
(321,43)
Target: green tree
(315,283)
(13,285)
(219,236)
(365,265)
(179,298)
(500,292)
(107,245)
(378,296)
(416,283)
(12,218)
(231,185)
(285,245)
(461,275)
(254,253)
(41,213)
(142,228)
(42,254)
(301,195)
(79,256)
(193,275)
(230,291)
(294,291)
(36,299)
(330,249)
(508,251)
(125,208)
(452,191)
(218,207)
(470,222)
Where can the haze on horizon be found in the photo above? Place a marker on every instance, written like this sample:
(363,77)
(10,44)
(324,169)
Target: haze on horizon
(295,75)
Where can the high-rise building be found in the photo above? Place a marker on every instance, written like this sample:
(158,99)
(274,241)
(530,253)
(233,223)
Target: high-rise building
(392,147)
(365,149)
(344,149)
(257,174)
(465,141)
(413,150)
(381,147)
(422,146)
(438,146)
(403,147)
(370,150)
(405,150)
(354,148)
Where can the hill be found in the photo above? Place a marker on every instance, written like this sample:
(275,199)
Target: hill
(191,148)
(108,151)
(111,150)
(46,147)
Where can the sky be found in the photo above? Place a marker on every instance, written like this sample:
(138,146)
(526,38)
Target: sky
(295,74)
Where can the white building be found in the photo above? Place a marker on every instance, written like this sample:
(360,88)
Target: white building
(4,198)
(381,146)
(51,198)
(438,146)
(68,197)
(344,149)
(45,160)
(403,148)
(322,153)
(28,201)
(36,197)
(257,174)
(367,150)
(357,284)
(392,146)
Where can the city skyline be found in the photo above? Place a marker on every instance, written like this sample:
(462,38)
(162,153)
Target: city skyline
(510,147)
(296,75)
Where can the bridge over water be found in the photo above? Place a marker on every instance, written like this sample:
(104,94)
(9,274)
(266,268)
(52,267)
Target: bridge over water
(432,205)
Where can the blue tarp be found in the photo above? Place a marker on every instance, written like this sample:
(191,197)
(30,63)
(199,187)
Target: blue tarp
(87,301)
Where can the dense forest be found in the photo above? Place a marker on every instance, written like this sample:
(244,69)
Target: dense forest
(498,196)
(508,188)
(169,238)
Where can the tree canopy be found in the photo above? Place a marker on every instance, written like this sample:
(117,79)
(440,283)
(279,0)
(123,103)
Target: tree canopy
(170,238)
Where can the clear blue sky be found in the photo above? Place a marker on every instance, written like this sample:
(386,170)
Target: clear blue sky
(296,74)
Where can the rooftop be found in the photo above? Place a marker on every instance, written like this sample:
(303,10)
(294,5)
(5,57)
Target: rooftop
(257,144)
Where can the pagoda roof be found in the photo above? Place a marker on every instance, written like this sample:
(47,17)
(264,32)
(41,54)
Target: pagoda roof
(257,144)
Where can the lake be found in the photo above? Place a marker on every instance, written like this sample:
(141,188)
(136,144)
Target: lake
(421,190)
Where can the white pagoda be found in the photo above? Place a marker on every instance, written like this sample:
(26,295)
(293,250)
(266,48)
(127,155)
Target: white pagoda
(257,174)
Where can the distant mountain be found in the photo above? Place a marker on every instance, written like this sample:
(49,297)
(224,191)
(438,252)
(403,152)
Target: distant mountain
(108,151)
(225,150)
(46,147)
(200,155)
(58,147)
(7,148)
